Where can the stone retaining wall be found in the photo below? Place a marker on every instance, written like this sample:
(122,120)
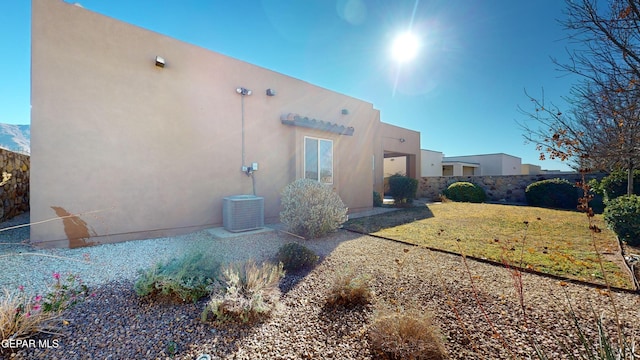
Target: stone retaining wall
(502,188)
(14,184)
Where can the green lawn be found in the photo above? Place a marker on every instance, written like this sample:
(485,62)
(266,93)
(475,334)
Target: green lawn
(551,241)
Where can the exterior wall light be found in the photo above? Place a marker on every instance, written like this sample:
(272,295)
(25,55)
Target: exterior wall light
(243,91)
(402,140)
(271,92)
(160,61)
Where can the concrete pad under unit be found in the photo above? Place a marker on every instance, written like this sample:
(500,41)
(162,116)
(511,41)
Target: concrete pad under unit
(221,233)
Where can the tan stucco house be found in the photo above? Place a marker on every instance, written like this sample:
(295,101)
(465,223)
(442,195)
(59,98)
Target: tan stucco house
(138,135)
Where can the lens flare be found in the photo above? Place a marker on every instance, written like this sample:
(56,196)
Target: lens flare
(405,47)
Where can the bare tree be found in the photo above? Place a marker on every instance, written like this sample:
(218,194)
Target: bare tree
(601,129)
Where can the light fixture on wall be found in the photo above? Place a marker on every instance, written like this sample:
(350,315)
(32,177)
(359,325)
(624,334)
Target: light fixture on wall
(243,91)
(160,61)
(402,140)
(271,92)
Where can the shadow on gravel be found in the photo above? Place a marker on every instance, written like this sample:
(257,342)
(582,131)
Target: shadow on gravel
(371,224)
(292,278)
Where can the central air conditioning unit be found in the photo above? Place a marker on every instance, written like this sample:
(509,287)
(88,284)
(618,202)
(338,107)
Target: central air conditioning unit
(243,213)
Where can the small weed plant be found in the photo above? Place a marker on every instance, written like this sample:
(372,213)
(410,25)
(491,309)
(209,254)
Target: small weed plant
(295,257)
(350,290)
(247,292)
(311,209)
(189,277)
(65,293)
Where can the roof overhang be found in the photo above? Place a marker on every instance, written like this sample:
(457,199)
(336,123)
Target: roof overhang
(297,120)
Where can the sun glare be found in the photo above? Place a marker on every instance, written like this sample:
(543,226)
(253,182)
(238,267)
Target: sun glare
(405,47)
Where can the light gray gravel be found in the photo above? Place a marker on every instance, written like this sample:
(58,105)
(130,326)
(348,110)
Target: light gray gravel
(23,265)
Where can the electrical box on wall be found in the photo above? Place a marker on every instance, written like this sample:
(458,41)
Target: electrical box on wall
(254,166)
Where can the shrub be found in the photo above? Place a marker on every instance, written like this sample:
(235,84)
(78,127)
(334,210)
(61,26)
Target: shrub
(349,290)
(553,193)
(21,317)
(615,184)
(247,293)
(465,192)
(405,335)
(403,189)
(311,209)
(622,215)
(294,256)
(377,199)
(189,277)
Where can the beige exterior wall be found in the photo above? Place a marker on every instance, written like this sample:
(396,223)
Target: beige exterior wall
(136,151)
(395,165)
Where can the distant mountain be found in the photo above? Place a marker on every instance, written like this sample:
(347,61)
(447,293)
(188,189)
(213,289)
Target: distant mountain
(15,138)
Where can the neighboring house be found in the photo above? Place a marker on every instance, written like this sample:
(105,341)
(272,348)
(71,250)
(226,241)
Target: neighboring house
(530,169)
(435,164)
(487,164)
(431,163)
(138,135)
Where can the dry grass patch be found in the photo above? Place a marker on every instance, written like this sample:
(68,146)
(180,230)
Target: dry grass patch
(556,242)
(248,292)
(350,290)
(22,317)
(406,335)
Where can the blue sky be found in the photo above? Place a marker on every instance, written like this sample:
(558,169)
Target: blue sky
(461,92)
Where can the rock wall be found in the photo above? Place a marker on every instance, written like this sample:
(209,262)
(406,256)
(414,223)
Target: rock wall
(14,184)
(503,188)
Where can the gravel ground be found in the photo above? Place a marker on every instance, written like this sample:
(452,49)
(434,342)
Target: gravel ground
(115,324)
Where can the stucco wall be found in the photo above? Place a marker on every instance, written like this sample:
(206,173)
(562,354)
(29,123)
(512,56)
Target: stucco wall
(431,163)
(132,151)
(14,184)
(508,188)
(491,164)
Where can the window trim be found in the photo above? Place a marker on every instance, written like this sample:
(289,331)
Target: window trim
(319,161)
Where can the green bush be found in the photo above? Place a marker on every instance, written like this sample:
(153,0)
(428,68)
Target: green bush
(615,184)
(403,189)
(294,256)
(311,209)
(190,277)
(465,192)
(553,193)
(377,199)
(622,215)
(248,292)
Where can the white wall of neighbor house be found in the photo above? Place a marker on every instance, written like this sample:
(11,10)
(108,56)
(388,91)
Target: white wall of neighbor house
(491,164)
(431,163)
